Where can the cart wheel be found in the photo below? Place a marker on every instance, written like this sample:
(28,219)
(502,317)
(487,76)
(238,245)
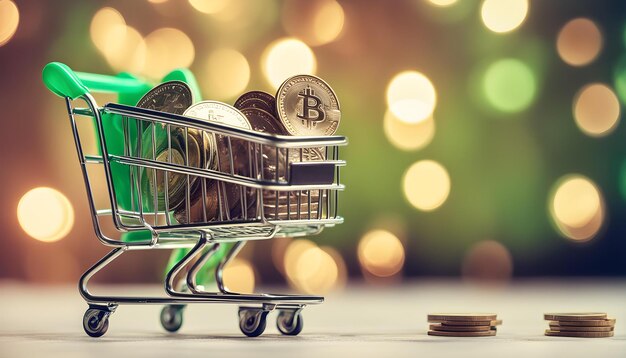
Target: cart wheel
(289,322)
(252,321)
(96,322)
(172,317)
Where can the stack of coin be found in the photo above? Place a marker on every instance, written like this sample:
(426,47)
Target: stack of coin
(582,325)
(463,324)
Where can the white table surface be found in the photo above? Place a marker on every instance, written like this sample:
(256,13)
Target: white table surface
(361,320)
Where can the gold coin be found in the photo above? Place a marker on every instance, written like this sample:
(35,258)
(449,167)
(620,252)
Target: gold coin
(307,106)
(439,317)
(491,332)
(550,332)
(591,323)
(439,327)
(587,316)
(556,327)
(496,322)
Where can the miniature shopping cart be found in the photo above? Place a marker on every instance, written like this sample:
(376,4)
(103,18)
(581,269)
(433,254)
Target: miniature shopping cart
(303,181)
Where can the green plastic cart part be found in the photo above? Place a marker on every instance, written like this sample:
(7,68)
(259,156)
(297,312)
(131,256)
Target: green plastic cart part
(64,82)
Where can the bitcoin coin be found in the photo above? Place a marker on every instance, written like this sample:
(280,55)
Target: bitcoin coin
(257,99)
(579,334)
(439,327)
(472,323)
(439,317)
(170,97)
(592,323)
(307,106)
(587,316)
(463,334)
(557,327)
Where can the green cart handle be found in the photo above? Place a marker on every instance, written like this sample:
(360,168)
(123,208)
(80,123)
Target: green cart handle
(62,81)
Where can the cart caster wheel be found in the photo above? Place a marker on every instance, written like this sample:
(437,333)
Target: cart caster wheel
(289,322)
(172,317)
(96,322)
(252,321)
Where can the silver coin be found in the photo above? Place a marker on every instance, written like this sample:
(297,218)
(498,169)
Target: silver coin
(170,97)
(307,106)
(214,111)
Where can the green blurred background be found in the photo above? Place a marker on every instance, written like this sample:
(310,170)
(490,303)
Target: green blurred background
(534,162)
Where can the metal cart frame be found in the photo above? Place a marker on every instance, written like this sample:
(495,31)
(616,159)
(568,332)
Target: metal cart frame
(204,238)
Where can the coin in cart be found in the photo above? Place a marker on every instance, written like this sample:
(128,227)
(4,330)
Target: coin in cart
(257,99)
(203,199)
(580,325)
(307,106)
(170,97)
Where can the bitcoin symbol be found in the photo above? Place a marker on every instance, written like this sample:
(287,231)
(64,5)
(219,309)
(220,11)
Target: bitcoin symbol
(310,103)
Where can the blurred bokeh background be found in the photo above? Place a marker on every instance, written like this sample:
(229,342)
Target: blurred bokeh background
(485,135)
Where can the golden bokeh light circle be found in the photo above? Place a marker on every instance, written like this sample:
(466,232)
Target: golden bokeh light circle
(287,57)
(9,20)
(130,53)
(381,253)
(107,30)
(166,49)
(577,207)
(315,22)
(596,110)
(426,185)
(239,276)
(579,42)
(227,74)
(443,3)
(209,6)
(408,136)
(311,269)
(45,214)
(503,16)
(411,96)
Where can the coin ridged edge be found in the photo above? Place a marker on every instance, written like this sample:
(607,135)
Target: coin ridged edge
(496,322)
(556,327)
(489,333)
(552,333)
(586,316)
(587,323)
(437,317)
(440,327)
